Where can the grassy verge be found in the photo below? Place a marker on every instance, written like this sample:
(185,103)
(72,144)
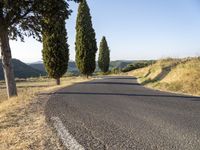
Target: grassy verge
(22,120)
(174,75)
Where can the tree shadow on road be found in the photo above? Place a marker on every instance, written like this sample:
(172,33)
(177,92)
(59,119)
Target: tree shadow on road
(111,83)
(122,78)
(130,95)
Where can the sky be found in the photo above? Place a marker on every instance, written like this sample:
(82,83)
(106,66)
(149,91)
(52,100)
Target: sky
(135,29)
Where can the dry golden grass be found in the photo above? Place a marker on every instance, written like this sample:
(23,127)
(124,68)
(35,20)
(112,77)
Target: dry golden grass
(175,75)
(22,120)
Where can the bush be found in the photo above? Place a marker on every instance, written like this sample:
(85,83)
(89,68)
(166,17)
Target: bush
(115,71)
(131,67)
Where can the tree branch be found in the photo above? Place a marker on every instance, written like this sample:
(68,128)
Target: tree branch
(19,17)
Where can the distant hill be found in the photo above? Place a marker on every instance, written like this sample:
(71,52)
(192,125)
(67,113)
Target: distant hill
(120,64)
(40,66)
(22,70)
(72,65)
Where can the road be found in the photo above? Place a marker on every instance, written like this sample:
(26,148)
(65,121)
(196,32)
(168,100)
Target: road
(117,113)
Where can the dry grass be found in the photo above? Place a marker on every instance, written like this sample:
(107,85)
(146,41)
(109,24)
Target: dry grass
(22,120)
(175,75)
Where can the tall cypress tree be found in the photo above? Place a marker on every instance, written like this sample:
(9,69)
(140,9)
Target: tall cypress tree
(86,46)
(104,56)
(55,48)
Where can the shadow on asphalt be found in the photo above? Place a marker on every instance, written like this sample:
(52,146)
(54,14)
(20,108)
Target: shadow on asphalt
(125,78)
(110,83)
(33,86)
(123,94)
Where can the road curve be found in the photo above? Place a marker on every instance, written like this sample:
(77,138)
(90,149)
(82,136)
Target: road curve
(117,113)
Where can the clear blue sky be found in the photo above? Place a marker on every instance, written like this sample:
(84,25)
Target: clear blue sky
(135,29)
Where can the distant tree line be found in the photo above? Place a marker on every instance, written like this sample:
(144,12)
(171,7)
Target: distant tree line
(138,65)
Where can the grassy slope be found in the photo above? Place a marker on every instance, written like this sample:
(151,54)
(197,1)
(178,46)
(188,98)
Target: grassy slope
(175,75)
(22,120)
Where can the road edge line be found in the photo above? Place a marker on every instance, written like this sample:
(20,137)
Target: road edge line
(68,140)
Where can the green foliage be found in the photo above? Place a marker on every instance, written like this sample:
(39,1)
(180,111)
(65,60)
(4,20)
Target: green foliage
(119,64)
(55,48)
(104,56)
(24,17)
(86,46)
(115,71)
(20,18)
(138,65)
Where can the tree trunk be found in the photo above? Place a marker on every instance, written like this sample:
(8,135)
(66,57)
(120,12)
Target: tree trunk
(7,63)
(58,81)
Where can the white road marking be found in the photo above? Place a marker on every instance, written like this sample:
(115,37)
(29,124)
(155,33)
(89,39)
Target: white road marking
(68,140)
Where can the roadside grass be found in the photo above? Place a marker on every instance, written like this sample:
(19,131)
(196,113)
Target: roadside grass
(174,75)
(22,119)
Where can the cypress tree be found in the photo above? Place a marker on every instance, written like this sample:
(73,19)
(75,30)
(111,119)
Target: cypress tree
(104,56)
(55,48)
(86,46)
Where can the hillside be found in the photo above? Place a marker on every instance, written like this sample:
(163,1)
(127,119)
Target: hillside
(22,70)
(120,64)
(176,75)
(72,65)
(40,66)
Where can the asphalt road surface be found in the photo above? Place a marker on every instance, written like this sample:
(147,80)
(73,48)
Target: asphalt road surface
(117,113)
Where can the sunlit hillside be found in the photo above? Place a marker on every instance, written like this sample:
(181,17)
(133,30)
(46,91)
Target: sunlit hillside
(177,75)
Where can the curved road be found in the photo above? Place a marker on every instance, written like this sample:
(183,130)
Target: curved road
(117,113)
